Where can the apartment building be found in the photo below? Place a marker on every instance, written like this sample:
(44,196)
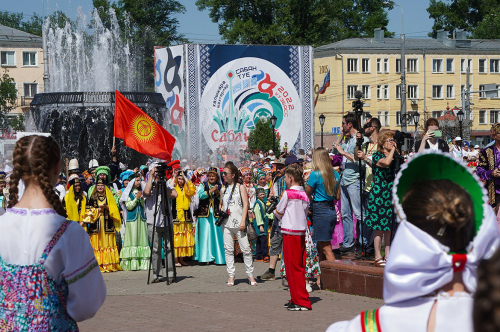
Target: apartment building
(21,55)
(435,77)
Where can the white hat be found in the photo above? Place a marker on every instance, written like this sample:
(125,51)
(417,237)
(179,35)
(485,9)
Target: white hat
(476,146)
(152,165)
(271,151)
(73,165)
(93,164)
(72,177)
(458,138)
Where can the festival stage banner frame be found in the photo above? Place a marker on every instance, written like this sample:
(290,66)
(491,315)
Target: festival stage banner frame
(169,81)
(228,87)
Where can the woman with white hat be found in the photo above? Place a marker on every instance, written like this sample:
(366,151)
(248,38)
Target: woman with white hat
(446,228)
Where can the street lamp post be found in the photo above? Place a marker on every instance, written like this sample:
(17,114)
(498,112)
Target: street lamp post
(402,69)
(273,124)
(460,116)
(321,122)
(416,118)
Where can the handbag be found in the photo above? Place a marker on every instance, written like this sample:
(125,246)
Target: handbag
(251,233)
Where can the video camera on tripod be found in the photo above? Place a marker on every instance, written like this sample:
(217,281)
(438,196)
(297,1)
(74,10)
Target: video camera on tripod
(357,107)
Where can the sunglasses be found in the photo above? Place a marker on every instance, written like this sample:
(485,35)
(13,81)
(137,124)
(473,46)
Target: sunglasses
(343,123)
(224,173)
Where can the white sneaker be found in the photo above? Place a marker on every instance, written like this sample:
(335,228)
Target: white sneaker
(309,288)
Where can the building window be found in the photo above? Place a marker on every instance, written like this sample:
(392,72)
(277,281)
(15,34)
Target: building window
(8,58)
(481,94)
(464,63)
(437,92)
(351,89)
(437,65)
(436,114)
(482,116)
(386,65)
(383,91)
(383,116)
(494,117)
(29,59)
(494,66)
(482,66)
(409,121)
(366,91)
(450,66)
(412,66)
(352,65)
(365,65)
(412,92)
(398,91)
(30,89)
(450,91)
(379,65)
(398,65)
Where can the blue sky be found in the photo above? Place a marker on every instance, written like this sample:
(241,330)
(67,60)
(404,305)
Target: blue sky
(199,28)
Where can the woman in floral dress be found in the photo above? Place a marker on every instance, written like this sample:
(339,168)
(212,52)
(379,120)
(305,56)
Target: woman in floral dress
(380,214)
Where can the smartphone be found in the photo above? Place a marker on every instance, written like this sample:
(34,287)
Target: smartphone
(438,133)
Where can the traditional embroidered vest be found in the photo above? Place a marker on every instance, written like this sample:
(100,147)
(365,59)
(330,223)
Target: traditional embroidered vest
(137,211)
(109,225)
(212,201)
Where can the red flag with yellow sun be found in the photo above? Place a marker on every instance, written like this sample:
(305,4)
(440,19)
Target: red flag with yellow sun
(139,132)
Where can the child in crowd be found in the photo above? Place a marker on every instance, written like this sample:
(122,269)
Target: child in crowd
(261,226)
(292,210)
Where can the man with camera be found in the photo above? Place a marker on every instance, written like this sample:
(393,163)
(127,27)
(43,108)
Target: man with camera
(349,184)
(162,229)
(372,128)
(279,186)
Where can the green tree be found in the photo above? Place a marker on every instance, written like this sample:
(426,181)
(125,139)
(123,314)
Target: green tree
(17,122)
(261,137)
(8,98)
(470,15)
(34,24)
(287,22)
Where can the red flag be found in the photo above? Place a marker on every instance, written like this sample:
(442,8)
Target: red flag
(139,131)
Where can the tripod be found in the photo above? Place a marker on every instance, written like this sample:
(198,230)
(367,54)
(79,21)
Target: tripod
(361,200)
(161,191)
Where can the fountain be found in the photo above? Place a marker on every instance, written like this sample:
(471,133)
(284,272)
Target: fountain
(85,68)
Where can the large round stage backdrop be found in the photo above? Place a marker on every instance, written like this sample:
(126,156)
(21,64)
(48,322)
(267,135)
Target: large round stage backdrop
(216,93)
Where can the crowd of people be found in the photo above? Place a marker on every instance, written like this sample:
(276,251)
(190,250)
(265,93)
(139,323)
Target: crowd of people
(296,209)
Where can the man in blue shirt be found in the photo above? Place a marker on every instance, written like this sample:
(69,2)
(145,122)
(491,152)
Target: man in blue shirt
(350,193)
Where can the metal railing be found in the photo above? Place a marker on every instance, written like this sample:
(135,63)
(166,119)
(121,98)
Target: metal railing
(95,98)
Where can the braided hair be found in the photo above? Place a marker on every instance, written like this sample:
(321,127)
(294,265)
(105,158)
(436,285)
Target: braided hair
(34,156)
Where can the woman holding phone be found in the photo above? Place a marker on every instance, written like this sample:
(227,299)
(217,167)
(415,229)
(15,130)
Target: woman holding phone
(432,138)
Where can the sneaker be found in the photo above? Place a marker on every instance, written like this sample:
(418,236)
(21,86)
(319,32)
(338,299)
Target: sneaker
(296,307)
(309,288)
(288,304)
(267,276)
(284,283)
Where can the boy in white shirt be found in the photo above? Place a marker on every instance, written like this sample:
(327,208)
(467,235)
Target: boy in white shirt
(292,210)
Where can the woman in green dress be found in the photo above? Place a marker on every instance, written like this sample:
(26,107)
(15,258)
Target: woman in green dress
(380,209)
(135,252)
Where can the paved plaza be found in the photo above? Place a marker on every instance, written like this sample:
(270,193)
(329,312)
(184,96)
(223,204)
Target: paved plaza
(201,300)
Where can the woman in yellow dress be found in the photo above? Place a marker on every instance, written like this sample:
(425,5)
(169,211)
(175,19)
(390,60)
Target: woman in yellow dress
(103,219)
(183,221)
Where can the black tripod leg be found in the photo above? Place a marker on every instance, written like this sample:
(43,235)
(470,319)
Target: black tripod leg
(151,246)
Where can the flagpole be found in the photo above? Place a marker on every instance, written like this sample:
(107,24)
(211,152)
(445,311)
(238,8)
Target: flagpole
(114,119)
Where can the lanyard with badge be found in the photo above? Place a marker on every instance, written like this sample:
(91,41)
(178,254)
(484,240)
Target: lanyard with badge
(228,211)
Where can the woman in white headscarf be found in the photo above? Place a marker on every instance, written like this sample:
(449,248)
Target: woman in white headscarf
(135,251)
(446,228)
